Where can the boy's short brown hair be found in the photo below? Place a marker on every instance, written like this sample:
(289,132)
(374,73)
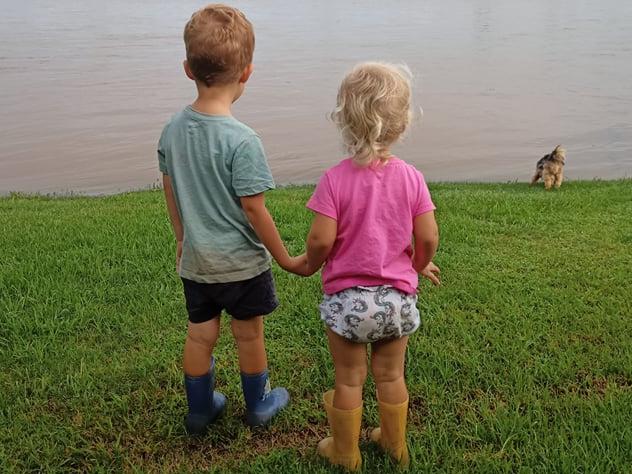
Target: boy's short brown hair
(220,43)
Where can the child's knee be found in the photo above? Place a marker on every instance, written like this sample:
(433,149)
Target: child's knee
(351,376)
(204,334)
(385,372)
(245,331)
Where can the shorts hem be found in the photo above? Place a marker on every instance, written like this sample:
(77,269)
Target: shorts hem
(241,300)
(203,319)
(247,316)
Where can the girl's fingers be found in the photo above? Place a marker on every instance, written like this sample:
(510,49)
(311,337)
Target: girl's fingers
(433,278)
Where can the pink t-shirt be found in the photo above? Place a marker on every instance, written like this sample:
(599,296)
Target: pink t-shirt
(374,208)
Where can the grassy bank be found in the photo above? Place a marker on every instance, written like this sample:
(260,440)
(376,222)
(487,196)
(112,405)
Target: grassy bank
(523,364)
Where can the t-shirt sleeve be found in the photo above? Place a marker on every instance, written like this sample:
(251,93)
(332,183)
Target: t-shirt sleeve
(162,151)
(251,173)
(423,202)
(323,201)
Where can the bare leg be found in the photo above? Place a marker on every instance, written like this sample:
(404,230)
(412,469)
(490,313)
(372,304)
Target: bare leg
(350,365)
(198,347)
(387,365)
(249,337)
(262,402)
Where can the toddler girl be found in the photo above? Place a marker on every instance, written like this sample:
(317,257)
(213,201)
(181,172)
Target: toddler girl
(367,209)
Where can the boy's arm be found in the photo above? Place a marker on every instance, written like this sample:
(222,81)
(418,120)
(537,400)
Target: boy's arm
(174,216)
(320,241)
(426,235)
(263,224)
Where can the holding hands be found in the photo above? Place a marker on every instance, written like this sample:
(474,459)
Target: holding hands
(296,265)
(300,266)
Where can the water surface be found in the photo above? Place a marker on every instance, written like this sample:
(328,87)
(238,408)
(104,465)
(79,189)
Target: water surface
(86,86)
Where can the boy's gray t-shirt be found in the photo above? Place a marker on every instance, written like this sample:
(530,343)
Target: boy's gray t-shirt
(212,161)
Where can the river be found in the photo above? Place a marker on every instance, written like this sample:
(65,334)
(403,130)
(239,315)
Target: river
(86,86)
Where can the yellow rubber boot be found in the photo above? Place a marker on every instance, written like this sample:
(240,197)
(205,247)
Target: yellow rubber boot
(391,435)
(342,447)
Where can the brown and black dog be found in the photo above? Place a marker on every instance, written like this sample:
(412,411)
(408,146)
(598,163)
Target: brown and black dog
(551,168)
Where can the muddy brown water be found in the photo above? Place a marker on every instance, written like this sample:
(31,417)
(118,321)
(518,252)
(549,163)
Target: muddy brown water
(86,86)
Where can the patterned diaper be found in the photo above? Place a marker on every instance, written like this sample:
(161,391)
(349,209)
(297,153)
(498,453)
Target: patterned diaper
(368,314)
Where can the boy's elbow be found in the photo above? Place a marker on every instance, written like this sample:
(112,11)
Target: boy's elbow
(250,213)
(248,207)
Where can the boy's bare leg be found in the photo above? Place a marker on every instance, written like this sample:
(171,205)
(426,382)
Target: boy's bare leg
(205,404)
(387,365)
(262,401)
(350,365)
(198,347)
(249,337)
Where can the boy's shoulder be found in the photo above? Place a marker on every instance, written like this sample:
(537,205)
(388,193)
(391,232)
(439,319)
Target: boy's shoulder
(231,129)
(240,129)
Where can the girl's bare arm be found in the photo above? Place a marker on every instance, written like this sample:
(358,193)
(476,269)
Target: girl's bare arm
(426,235)
(320,241)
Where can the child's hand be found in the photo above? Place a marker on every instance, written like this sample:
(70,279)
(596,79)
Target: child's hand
(431,272)
(178,255)
(298,266)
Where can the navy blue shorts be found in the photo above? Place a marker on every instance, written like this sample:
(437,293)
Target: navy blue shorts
(244,299)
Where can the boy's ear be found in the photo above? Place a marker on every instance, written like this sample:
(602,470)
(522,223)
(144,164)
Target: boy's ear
(187,70)
(246,74)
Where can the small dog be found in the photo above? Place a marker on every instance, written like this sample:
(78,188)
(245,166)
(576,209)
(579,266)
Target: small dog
(551,168)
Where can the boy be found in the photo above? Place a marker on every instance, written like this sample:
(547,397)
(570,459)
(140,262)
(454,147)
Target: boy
(214,174)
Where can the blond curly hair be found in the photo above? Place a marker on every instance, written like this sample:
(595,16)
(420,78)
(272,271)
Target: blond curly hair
(373,109)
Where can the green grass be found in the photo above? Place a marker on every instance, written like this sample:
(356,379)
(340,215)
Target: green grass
(523,363)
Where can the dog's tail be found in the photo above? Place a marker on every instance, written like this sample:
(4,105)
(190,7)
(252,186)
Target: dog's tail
(558,150)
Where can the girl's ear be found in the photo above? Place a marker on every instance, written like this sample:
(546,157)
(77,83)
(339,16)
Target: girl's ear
(187,70)
(246,74)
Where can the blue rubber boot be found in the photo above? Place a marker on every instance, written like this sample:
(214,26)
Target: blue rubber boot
(262,404)
(205,404)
